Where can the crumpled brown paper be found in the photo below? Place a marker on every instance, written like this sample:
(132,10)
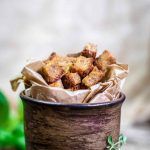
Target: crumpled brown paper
(101,92)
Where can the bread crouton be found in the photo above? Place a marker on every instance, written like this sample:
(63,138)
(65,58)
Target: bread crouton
(71,79)
(82,66)
(58,83)
(93,78)
(52,72)
(54,57)
(75,88)
(66,63)
(105,59)
(89,50)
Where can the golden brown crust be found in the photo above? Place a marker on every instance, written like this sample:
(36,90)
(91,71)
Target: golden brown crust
(66,63)
(54,57)
(52,72)
(89,50)
(67,71)
(102,65)
(105,59)
(71,79)
(58,83)
(83,87)
(75,88)
(93,78)
(106,55)
(82,66)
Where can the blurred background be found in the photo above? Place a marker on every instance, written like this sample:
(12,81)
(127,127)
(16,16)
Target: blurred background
(32,29)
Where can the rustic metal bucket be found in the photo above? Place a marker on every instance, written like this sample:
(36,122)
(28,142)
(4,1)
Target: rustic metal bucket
(57,126)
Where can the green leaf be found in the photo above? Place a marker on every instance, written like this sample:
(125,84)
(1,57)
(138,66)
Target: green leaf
(4,109)
(110,140)
(116,146)
(122,139)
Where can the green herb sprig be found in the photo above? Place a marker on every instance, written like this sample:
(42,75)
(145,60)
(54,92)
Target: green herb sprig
(116,145)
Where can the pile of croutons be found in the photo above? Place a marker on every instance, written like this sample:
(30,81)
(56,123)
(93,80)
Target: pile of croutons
(77,72)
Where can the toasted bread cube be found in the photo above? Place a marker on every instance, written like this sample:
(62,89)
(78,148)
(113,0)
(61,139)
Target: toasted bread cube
(75,88)
(71,79)
(82,86)
(66,63)
(52,58)
(52,72)
(63,62)
(93,78)
(71,59)
(58,83)
(105,59)
(82,66)
(106,55)
(89,50)
(102,65)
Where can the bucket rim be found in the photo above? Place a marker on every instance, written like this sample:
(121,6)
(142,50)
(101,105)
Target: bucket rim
(120,100)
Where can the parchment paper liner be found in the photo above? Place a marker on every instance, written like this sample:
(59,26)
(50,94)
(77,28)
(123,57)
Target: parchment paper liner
(101,92)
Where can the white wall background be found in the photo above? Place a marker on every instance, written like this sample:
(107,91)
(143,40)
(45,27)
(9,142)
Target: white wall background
(32,29)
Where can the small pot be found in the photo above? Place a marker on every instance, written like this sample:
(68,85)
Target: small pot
(57,126)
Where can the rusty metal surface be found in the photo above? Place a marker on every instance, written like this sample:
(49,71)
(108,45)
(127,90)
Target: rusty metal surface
(64,128)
